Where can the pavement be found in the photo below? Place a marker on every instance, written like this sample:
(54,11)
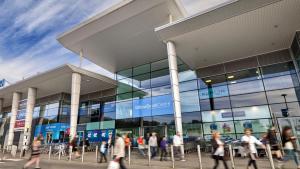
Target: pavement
(137,162)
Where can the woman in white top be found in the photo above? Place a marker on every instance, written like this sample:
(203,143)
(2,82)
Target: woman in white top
(218,150)
(249,143)
(290,146)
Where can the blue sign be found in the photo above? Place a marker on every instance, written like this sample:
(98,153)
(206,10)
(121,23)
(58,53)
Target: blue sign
(54,128)
(2,82)
(142,107)
(99,135)
(162,105)
(109,107)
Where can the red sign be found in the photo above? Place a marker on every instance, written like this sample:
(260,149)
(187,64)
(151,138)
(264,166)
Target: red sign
(20,124)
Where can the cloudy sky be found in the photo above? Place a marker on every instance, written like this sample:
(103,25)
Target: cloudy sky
(28,31)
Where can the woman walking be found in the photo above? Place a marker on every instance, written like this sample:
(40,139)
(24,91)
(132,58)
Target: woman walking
(218,150)
(35,154)
(290,146)
(249,143)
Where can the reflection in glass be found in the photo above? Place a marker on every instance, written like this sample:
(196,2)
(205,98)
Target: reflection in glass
(141,69)
(124,74)
(162,64)
(193,117)
(215,103)
(244,75)
(141,81)
(124,86)
(281,82)
(246,87)
(278,69)
(160,78)
(186,86)
(189,101)
(253,112)
(294,109)
(276,96)
(212,81)
(248,99)
(257,125)
(163,90)
(123,110)
(225,127)
(213,92)
(217,115)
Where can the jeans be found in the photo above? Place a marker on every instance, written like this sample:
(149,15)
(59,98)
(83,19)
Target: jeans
(103,155)
(141,151)
(163,154)
(121,162)
(153,150)
(217,159)
(291,155)
(252,160)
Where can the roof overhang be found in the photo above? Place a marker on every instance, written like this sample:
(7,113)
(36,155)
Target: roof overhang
(241,29)
(58,80)
(123,36)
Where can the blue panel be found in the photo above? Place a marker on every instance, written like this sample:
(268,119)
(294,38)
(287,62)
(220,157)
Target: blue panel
(162,105)
(142,107)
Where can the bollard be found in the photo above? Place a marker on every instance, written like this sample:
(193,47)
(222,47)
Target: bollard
(70,153)
(97,149)
(149,156)
(172,156)
(59,152)
(82,153)
(50,151)
(269,153)
(231,156)
(199,156)
(112,152)
(129,154)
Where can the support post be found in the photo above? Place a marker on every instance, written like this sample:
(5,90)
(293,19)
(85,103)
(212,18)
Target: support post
(59,152)
(82,153)
(199,156)
(14,112)
(129,155)
(269,152)
(231,156)
(70,153)
(50,151)
(149,156)
(172,156)
(97,149)
(172,59)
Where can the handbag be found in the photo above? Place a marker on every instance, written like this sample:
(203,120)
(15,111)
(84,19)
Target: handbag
(113,165)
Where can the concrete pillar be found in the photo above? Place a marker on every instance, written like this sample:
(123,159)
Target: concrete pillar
(31,97)
(75,95)
(174,85)
(14,111)
(172,58)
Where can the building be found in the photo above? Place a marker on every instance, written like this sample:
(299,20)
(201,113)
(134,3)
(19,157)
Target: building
(230,67)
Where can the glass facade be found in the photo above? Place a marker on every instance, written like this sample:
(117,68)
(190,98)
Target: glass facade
(227,97)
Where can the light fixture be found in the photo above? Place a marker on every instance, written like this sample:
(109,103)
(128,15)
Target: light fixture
(208,81)
(233,82)
(230,77)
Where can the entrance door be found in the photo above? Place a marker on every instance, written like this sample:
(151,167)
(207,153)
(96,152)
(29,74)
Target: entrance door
(159,130)
(294,123)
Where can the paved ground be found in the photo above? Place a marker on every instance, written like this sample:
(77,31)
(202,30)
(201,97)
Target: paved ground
(136,163)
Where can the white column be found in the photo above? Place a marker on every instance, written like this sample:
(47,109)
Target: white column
(14,112)
(174,85)
(75,95)
(31,96)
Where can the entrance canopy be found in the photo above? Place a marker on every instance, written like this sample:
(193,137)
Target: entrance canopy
(58,80)
(241,29)
(123,36)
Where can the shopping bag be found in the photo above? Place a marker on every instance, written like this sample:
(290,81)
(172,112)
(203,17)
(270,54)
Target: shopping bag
(113,165)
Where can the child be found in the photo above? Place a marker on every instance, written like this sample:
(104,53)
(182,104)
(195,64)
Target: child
(103,151)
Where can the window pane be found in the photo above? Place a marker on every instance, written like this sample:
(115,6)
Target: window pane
(124,73)
(216,115)
(194,117)
(276,96)
(125,96)
(124,86)
(141,69)
(163,90)
(162,64)
(189,101)
(222,127)
(254,112)
(162,105)
(186,86)
(258,125)
(246,87)
(278,69)
(215,103)
(123,110)
(248,99)
(281,82)
(160,78)
(141,81)
(294,109)
(187,75)
(243,76)
(213,92)
(142,107)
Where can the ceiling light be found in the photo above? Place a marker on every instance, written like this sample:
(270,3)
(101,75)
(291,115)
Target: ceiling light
(208,81)
(233,82)
(230,77)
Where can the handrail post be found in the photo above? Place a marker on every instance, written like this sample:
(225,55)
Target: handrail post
(172,156)
(70,153)
(50,151)
(97,149)
(231,156)
(129,154)
(199,156)
(269,153)
(82,153)
(149,156)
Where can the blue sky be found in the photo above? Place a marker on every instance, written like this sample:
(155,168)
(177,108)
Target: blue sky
(28,31)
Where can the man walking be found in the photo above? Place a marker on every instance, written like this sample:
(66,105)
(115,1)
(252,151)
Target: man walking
(119,151)
(153,145)
(177,144)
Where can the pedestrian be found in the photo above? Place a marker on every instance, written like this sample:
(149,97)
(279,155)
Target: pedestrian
(103,151)
(127,145)
(290,146)
(119,151)
(177,144)
(218,150)
(153,145)
(249,142)
(73,143)
(35,154)
(163,148)
(141,145)
(271,138)
(147,138)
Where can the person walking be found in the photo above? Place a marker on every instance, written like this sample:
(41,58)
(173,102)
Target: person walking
(271,139)
(35,154)
(127,145)
(163,148)
(103,151)
(141,145)
(249,142)
(218,150)
(177,144)
(153,145)
(290,146)
(119,151)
